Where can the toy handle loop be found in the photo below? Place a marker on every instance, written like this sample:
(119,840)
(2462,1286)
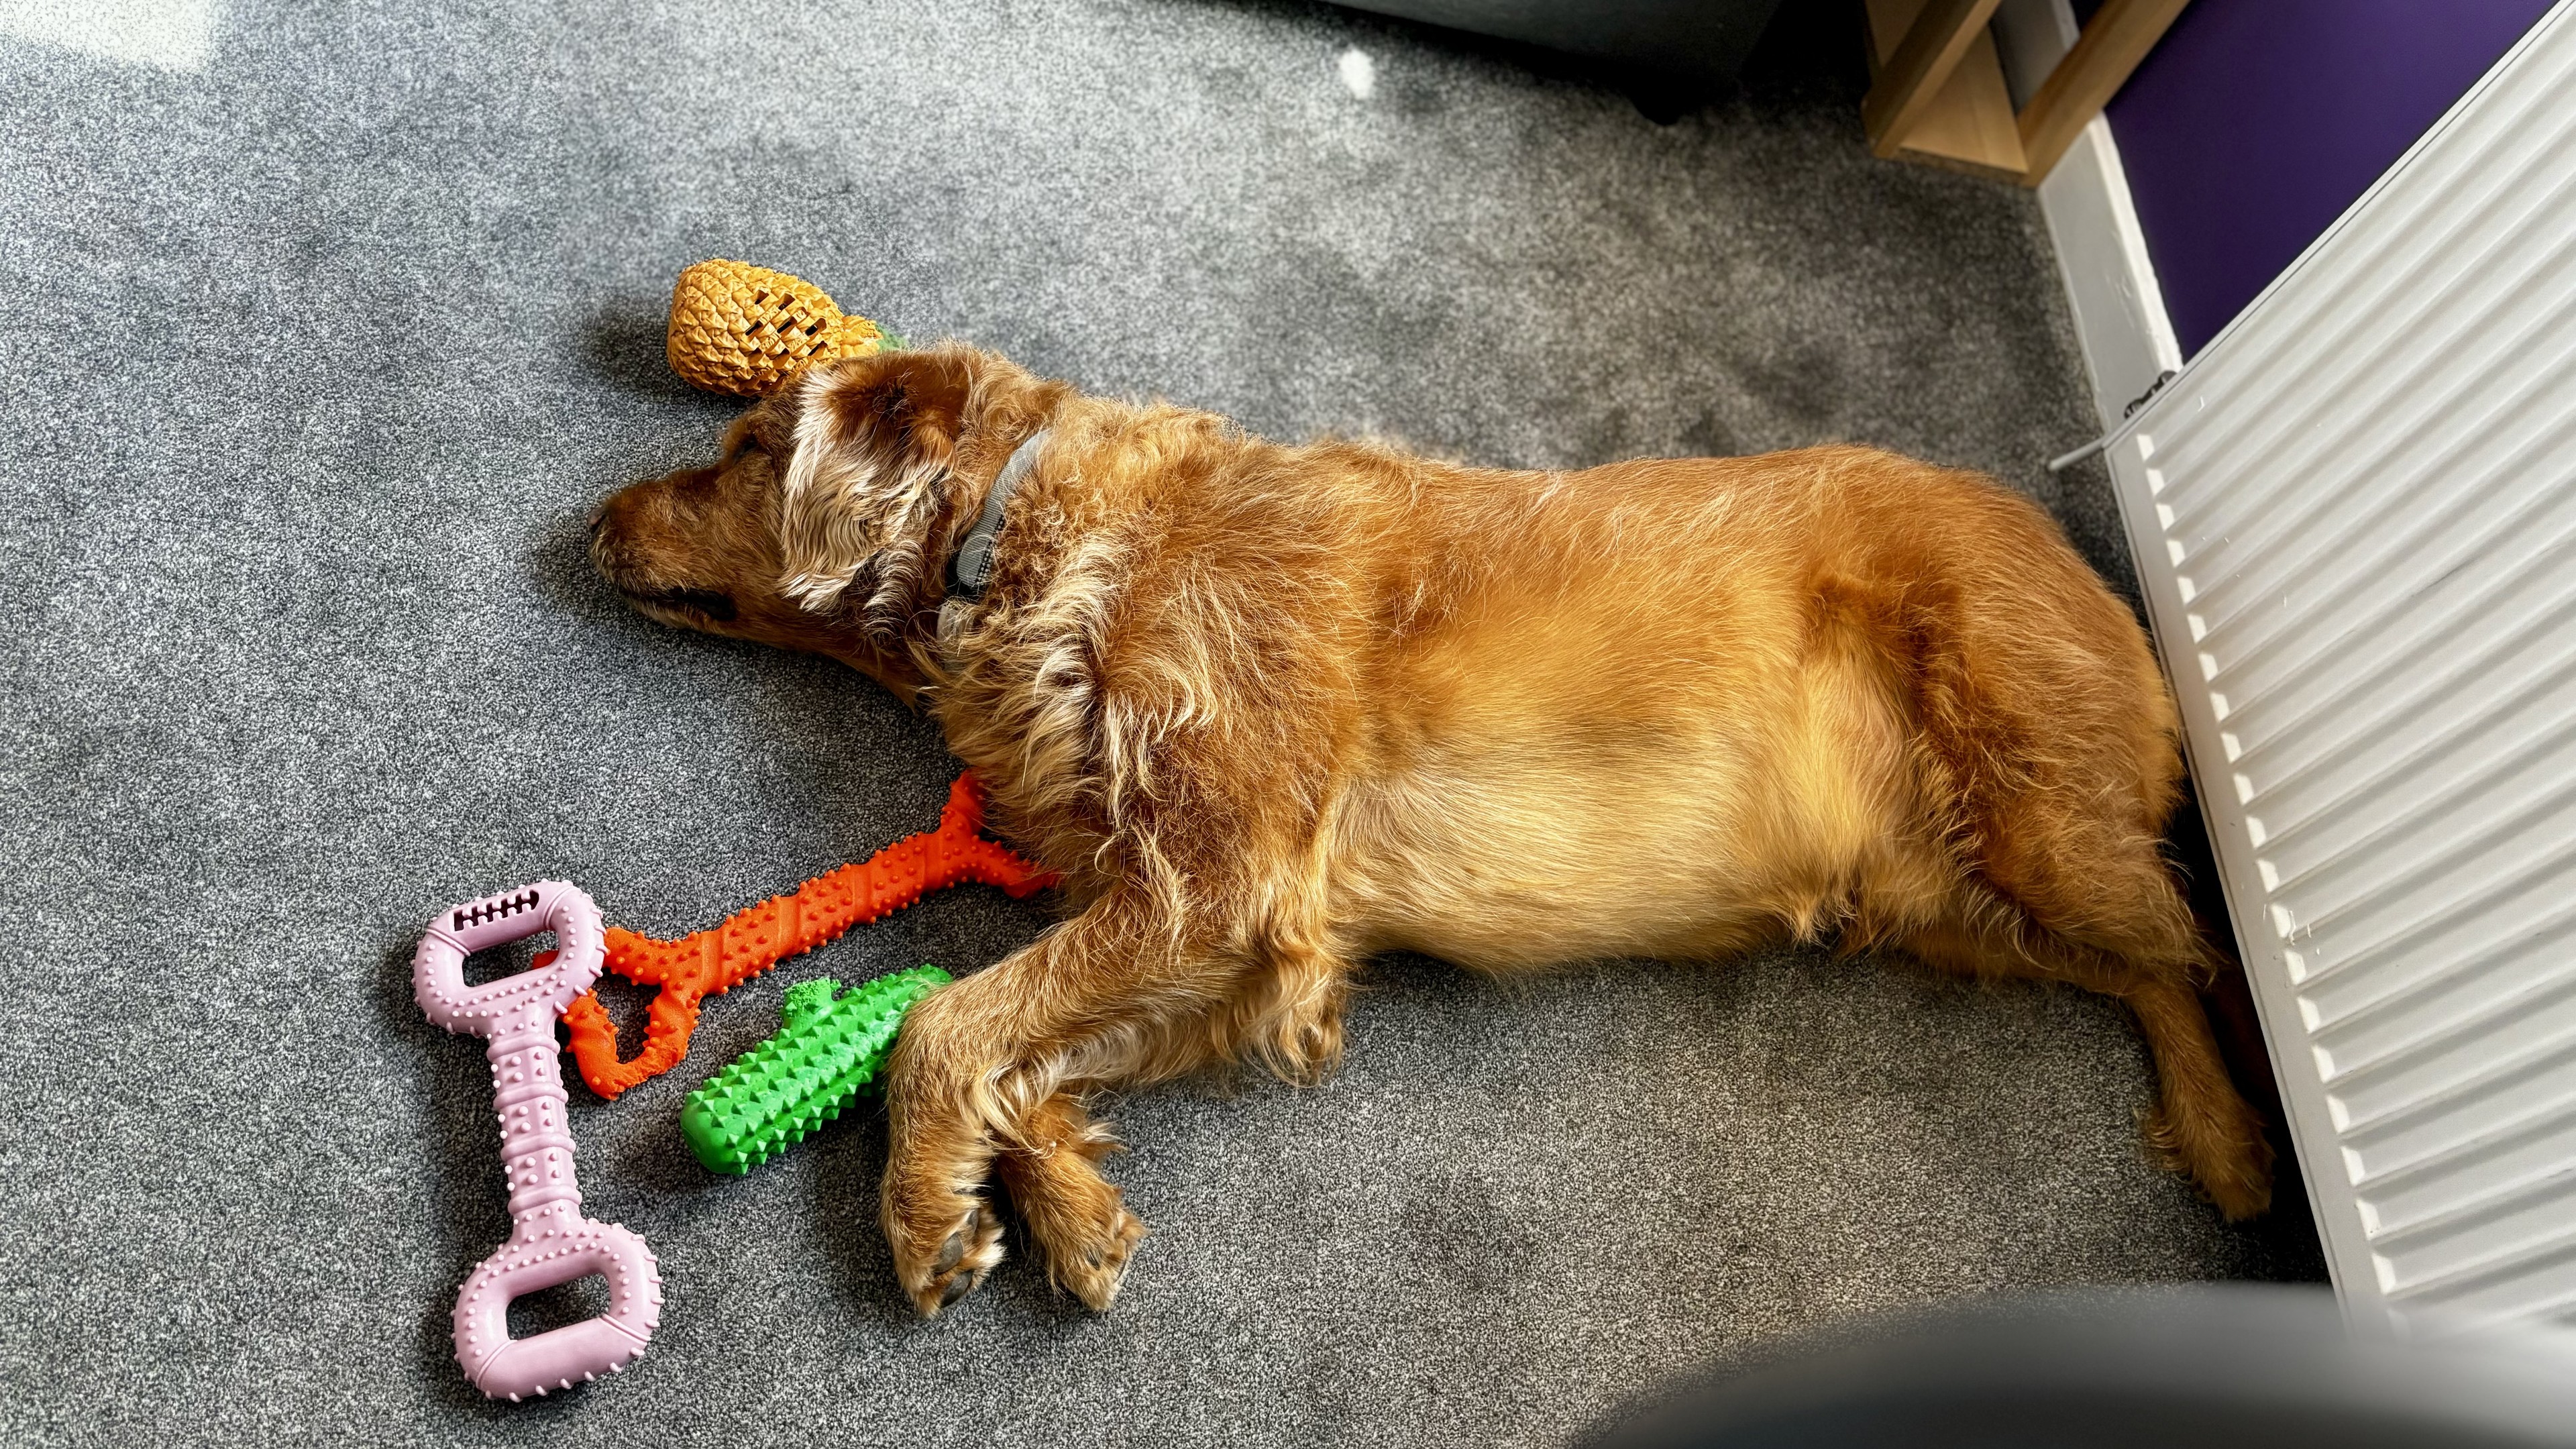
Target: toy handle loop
(540,1256)
(523,1000)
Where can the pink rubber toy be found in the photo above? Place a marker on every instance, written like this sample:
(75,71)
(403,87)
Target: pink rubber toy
(550,1241)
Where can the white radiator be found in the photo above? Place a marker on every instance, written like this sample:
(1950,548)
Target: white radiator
(2355,514)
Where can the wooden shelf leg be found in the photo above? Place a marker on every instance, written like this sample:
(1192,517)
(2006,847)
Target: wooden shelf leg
(1914,75)
(2118,37)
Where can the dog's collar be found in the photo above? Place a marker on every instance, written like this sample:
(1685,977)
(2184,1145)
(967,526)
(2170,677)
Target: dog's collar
(970,568)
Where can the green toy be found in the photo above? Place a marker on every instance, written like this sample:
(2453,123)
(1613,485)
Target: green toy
(773,1096)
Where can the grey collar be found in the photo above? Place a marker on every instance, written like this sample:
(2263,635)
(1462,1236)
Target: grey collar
(971,567)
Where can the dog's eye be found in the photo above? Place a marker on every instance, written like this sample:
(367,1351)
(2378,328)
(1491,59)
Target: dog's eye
(705,601)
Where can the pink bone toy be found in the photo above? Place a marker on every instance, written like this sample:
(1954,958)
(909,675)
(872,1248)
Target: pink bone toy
(550,1241)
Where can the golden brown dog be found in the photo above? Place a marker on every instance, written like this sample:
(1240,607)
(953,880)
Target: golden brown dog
(1274,709)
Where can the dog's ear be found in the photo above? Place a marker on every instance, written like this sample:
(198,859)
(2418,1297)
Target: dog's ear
(873,443)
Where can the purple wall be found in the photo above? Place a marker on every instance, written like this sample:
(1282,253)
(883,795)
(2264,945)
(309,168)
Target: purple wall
(2256,122)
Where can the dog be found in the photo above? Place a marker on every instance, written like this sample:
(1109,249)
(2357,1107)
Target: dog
(1274,709)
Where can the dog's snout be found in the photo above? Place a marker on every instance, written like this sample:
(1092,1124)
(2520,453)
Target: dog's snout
(613,542)
(601,538)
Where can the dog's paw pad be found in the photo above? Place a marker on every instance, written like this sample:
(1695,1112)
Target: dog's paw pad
(965,1255)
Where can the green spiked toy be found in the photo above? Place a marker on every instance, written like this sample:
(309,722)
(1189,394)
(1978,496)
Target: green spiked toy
(773,1096)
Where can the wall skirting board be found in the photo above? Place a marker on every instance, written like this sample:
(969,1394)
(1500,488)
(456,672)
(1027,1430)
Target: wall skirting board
(2120,319)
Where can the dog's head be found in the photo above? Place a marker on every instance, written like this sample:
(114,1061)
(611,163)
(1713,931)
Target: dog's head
(825,526)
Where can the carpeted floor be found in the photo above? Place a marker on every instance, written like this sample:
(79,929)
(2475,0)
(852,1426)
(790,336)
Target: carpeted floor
(317,355)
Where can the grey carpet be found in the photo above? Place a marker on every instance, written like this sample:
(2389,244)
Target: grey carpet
(315,360)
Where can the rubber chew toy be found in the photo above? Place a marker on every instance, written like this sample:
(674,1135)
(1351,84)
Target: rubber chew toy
(550,1241)
(746,330)
(710,963)
(776,1094)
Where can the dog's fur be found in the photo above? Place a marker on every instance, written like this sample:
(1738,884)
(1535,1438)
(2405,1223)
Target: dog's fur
(1274,709)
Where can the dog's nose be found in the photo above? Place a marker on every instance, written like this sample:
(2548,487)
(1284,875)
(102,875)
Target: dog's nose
(606,550)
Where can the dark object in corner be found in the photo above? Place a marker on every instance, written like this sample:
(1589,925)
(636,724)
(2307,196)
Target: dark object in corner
(1671,55)
(2188,1368)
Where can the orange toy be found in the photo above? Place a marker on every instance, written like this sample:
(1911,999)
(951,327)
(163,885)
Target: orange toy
(749,331)
(710,963)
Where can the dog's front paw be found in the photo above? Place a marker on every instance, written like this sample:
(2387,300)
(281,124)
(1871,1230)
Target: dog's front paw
(946,1261)
(1091,1265)
(1076,1220)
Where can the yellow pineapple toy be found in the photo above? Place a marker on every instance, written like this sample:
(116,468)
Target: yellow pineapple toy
(749,331)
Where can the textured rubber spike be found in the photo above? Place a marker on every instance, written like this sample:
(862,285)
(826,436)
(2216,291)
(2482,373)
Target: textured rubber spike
(752,940)
(773,1096)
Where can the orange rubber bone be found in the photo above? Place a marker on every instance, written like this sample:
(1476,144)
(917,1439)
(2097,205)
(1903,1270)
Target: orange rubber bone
(710,963)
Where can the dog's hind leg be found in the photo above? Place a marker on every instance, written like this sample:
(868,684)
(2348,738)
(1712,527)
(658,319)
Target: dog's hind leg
(2110,903)
(2201,1125)
(2046,764)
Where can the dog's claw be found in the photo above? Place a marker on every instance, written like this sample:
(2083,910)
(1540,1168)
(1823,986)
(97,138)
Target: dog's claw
(958,1287)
